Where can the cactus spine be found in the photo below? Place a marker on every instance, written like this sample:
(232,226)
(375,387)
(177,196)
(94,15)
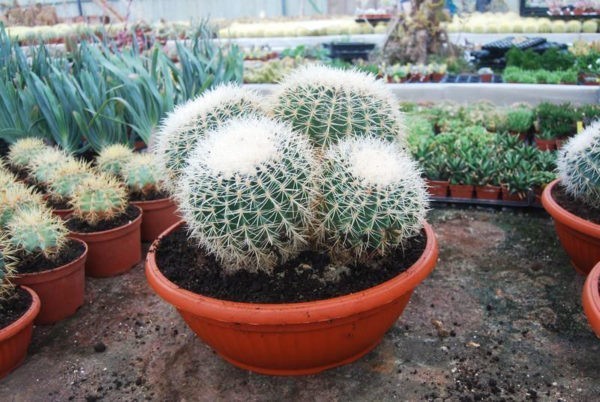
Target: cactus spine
(579,165)
(7,270)
(15,196)
(246,192)
(190,121)
(142,175)
(47,163)
(330,104)
(36,230)
(67,178)
(373,198)
(98,198)
(112,158)
(23,151)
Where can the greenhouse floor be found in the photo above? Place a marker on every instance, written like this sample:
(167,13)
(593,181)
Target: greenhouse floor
(500,318)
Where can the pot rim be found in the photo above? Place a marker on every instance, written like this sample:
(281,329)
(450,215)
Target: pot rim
(126,228)
(591,298)
(26,319)
(292,313)
(154,204)
(55,273)
(565,217)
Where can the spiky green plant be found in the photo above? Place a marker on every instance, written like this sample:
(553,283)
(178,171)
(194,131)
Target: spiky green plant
(373,198)
(47,163)
(99,198)
(64,181)
(189,123)
(330,104)
(112,158)
(37,231)
(142,175)
(23,151)
(579,165)
(7,270)
(15,196)
(247,191)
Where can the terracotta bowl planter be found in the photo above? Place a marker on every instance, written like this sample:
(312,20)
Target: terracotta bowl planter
(15,339)
(579,238)
(461,190)
(295,338)
(61,290)
(113,252)
(159,215)
(591,299)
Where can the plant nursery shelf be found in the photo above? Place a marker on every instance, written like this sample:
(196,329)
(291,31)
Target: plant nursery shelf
(527,203)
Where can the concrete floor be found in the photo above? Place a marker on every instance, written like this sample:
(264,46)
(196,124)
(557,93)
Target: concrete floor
(499,319)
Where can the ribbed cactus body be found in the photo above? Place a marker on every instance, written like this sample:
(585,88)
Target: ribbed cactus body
(37,230)
(579,165)
(47,163)
(190,121)
(373,198)
(329,104)
(99,198)
(142,174)
(67,178)
(16,196)
(112,158)
(247,191)
(7,269)
(23,151)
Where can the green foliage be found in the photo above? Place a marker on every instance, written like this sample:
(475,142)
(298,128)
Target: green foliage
(556,120)
(37,231)
(519,120)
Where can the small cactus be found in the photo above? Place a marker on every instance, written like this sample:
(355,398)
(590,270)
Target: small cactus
(247,191)
(329,104)
(36,230)
(99,198)
(23,151)
(373,198)
(67,178)
(112,158)
(189,122)
(7,270)
(47,163)
(579,165)
(15,196)
(142,175)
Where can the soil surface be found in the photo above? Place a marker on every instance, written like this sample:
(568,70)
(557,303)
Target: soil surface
(575,206)
(78,225)
(38,262)
(4,148)
(151,195)
(500,318)
(310,276)
(13,308)
(59,204)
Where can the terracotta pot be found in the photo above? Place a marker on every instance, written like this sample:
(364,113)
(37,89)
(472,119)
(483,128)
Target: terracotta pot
(522,136)
(62,213)
(579,238)
(113,252)
(159,215)
(560,142)
(487,192)
(61,290)
(461,190)
(295,338)
(437,188)
(509,196)
(591,299)
(485,77)
(15,338)
(545,145)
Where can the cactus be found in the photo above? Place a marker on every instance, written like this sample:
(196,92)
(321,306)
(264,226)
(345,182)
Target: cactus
(246,192)
(579,165)
(22,152)
(47,163)
(67,178)
(15,196)
(189,122)
(142,175)
(7,270)
(329,104)
(112,158)
(373,198)
(36,230)
(99,198)
(589,26)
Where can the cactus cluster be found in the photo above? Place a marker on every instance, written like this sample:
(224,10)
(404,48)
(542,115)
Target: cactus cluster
(112,158)
(67,177)
(16,196)
(373,197)
(36,230)
(25,150)
(329,104)
(247,190)
(142,175)
(189,122)
(7,270)
(579,165)
(47,163)
(97,198)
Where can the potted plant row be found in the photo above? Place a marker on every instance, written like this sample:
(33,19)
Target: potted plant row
(264,202)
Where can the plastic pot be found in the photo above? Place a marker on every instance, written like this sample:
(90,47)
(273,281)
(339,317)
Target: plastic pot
(487,192)
(61,290)
(591,299)
(295,338)
(15,338)
(580,238)
(62,213)
(159,215)
(545,145)
(113,252)
(437,188)
(461,190)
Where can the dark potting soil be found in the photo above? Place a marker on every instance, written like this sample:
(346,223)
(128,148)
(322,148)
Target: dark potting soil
(298,280)
(77,225)
(38,263)
(575,206)
(152,195)
(57,204)
(4,146)
(88,156)
(14,307)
